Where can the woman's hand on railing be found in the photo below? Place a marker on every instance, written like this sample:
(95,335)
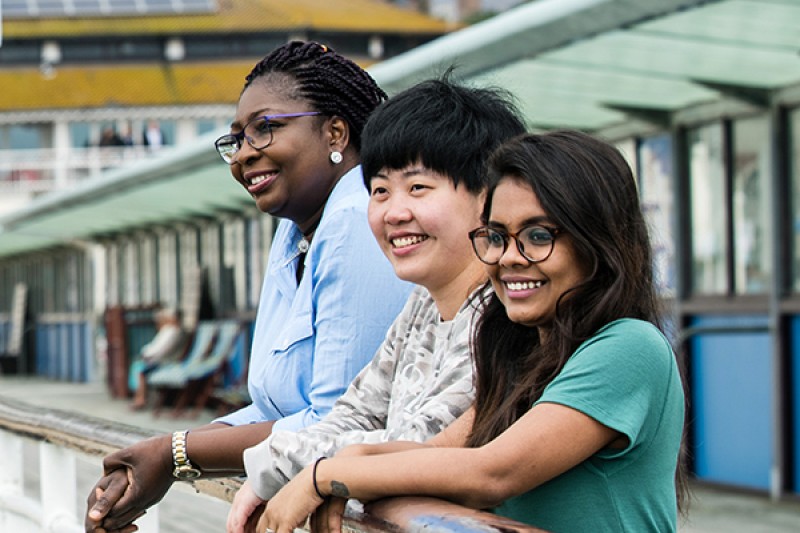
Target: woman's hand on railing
(329,516)
(103,496)
(291,507)
(135,478)
(245,511)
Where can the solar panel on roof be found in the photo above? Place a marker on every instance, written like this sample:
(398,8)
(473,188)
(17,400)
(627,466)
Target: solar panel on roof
(50,7)
(87,6)
(159,6)
(198,5)
(122,7)
(15,8)
(61,8)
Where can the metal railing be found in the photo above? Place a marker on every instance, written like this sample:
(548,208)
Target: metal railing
(42,170)
(63,436)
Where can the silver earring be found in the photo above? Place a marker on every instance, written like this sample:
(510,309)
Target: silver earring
(336,157)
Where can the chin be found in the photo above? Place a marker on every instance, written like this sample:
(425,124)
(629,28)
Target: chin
(524,319)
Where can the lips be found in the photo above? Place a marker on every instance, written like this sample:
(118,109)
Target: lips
(407,240)
(523,285)
(256,182)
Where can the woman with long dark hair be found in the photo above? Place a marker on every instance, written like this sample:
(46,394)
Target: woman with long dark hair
(578,419)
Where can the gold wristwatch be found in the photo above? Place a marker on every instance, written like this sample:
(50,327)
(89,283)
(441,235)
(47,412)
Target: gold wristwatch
(183,467)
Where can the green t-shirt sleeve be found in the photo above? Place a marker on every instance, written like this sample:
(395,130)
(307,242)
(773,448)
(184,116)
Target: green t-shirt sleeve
(619,377)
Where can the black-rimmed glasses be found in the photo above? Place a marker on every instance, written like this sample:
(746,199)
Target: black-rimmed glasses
(258,133)
(535,242)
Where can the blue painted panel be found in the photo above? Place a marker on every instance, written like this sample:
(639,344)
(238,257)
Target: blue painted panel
(731,394)
(88,352)
(54,340)
(4,325)
(41,348)
(74,354)
(795,401)
(64,351)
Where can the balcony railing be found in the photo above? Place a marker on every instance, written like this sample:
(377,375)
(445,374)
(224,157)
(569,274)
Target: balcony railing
(67,438)
(42,170)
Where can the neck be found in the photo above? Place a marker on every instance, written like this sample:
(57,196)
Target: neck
(310,222)
(451,296)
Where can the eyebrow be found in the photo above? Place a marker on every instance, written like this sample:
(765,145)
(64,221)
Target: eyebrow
(254,114)
(543,220)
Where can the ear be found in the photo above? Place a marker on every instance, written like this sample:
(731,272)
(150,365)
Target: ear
(339,132)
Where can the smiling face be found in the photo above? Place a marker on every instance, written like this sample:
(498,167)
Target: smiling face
(293,176)
(530,291)
(421,220)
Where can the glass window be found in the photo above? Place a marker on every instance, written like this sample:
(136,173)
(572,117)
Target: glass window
(656,186)
(794,176)
(157,133)
(20,52)
(708,211)
(88,50)
(205,125)
(752,170)
(27,136)
(80,134)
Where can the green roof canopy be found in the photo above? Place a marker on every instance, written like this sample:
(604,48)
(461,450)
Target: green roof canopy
(596,65)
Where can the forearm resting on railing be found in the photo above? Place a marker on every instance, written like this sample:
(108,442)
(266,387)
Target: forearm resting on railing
(97,437)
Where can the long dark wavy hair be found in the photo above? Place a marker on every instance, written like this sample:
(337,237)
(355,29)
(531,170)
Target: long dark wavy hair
(587,189)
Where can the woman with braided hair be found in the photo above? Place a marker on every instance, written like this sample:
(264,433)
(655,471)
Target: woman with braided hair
(329,294)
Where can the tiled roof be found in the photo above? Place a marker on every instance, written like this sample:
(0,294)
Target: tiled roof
(129,85)
(242,16)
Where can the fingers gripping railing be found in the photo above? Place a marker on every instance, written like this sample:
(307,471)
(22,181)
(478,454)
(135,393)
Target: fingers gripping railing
(63,436)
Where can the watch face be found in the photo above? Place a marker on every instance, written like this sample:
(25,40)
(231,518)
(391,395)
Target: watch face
(186,472)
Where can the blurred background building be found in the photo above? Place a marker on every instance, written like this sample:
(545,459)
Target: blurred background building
(702,96)
(90,85)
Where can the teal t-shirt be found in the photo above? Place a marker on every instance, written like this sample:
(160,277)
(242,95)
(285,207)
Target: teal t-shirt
(625,377)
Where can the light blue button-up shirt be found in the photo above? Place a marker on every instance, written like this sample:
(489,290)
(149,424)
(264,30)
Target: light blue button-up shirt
(311,339)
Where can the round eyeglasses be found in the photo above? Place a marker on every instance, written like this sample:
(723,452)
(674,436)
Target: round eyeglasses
(258,133)
(535,242)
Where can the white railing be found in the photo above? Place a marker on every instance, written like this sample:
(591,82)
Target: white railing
(42,170)
(68,438)
(55,510)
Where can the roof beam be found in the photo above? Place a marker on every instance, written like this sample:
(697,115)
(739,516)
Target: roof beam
(755,96)
(524,31)
(657,117)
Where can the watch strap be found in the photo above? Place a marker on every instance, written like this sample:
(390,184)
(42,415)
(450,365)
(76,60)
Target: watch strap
(180,458)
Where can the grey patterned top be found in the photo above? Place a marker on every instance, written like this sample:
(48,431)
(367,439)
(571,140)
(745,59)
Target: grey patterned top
(419,381)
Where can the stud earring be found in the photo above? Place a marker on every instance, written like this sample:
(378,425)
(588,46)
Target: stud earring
(336,157)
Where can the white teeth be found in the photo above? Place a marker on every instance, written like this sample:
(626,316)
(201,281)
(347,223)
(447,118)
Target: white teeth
(407,241)
(523,285)
(257,180)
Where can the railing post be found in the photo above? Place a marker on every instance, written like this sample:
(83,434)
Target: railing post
(58,483)
(149,522)
(11,464)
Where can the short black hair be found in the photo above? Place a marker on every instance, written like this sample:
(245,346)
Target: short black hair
(447,127)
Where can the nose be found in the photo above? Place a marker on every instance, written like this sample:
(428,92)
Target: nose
(511,256)
(397,211)
(246,153)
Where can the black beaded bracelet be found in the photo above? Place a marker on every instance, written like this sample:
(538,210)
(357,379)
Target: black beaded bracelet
(314,476)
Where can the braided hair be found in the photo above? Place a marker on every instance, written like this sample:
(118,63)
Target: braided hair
(334,85)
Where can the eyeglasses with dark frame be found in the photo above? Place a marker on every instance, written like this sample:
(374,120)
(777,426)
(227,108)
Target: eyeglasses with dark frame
(258,133)
(534,242)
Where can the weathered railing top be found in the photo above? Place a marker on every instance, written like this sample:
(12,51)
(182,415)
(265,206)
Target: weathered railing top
(97,437)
